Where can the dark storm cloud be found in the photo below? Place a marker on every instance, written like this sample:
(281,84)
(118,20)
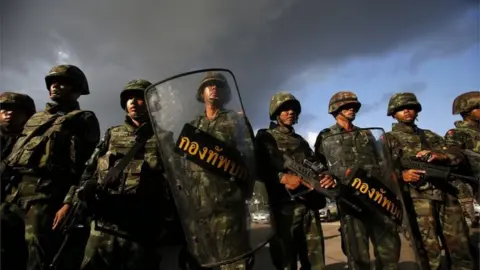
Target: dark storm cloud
(267,43)
(413,87)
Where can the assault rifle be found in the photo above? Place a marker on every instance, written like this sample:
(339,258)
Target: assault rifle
(435,172)
(89,192)
(471,153)
(308,173)
(76,219)
(8,179)
(474,161)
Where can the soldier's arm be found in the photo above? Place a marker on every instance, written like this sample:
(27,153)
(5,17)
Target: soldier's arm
(318,147)
(454,138)
(267,152)
(249,130)
(395,152)
(393,145)
(454,153)
(84,141)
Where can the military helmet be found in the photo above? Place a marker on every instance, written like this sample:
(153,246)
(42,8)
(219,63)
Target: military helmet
(218,78)
(466,102)
(25,102)
(279,99)
(341,99)
(400,100)
(133,86)
(71,72)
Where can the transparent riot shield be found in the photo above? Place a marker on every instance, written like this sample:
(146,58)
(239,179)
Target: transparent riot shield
(206,144)
(360,161)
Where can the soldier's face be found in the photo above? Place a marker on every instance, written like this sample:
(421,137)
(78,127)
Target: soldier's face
(61,89)
(288,117)
(349,112)
(406,115)
(12,118)
(136,106)
(211,93)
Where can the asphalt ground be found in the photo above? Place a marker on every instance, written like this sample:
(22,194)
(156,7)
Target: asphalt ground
(335,259)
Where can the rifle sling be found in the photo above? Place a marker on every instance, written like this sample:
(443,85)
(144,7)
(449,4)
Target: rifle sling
(140,142)
(423,140)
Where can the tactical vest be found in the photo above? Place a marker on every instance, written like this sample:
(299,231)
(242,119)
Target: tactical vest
(473,144)
(411,144)
(291,144)
(122,138)
(346,149)
(225,127)
(474,136)
(45,144)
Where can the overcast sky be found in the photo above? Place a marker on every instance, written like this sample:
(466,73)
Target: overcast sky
(311,48)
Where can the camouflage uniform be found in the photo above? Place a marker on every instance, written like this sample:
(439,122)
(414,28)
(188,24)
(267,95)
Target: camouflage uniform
(298,231)
(438,214)
(465,135)
(127,230)
(213,192)
(22,102)
(356,231)
(14,250)
(48,158)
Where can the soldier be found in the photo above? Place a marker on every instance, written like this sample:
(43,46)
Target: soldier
(298,231)
(15,110)
(356,231)
(438,214)
(233,129)
(49,158)
(466,135)
(126,231)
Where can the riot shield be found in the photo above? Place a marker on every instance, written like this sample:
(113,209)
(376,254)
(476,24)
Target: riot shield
(360,161)
(206,143)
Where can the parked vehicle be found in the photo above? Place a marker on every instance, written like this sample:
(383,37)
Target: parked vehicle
(329,212)
(261,216)
(476,209)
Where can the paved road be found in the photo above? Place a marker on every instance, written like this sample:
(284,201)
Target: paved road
(335,259)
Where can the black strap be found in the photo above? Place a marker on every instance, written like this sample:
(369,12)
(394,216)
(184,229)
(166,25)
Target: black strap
(423,140)
(144,133)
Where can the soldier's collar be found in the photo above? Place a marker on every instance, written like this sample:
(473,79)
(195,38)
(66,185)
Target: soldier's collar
(466,124)
(282,129)
(341,129)
(131,127)
(55,108)
(9,134)
(404,128)
(219,112)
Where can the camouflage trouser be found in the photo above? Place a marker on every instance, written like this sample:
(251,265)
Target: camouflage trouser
(107,251)
(298,236)
(444,220)
(14,253)
(356,234)
(42,241)
(465,197)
